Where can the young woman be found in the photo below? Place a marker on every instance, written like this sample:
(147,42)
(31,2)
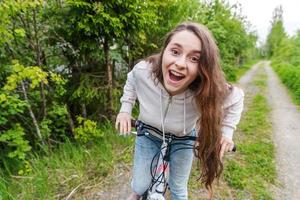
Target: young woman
(182,90)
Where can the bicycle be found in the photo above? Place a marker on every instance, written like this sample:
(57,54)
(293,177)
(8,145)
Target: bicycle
(160,170)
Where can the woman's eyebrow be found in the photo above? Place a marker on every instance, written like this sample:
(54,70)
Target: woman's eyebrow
(176,44)
(180,46)
(197,51)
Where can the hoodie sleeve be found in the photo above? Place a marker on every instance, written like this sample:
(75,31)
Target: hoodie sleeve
(233,108)
(129,92)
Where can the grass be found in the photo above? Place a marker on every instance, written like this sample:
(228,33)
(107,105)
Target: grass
(70,166)
(253,170)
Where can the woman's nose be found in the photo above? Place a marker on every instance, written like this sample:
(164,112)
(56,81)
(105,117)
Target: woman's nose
(181,62)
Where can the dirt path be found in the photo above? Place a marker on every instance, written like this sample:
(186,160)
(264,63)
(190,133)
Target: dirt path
(286,130)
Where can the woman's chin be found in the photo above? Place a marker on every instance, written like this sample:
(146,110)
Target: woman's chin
(173,90)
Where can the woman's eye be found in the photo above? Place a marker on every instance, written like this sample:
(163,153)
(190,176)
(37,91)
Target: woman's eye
(194,59)
(175,52)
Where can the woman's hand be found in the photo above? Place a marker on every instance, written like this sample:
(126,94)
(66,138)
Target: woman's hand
(227,145)
(123,123)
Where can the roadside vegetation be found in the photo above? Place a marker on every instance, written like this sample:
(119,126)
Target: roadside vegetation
(69,170)
(284,51)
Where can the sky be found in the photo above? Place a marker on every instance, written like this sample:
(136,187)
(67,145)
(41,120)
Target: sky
(260,12)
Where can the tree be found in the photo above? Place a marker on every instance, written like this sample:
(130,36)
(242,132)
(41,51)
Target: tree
(277,33)
(87,37)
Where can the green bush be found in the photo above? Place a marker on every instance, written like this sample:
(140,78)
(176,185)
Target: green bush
(230,72)
(290,76)
(87,130)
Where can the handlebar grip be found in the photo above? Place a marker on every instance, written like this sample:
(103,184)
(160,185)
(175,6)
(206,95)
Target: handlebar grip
(234,149)
(133,121)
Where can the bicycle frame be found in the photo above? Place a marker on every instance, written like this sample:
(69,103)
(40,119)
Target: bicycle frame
(160,174)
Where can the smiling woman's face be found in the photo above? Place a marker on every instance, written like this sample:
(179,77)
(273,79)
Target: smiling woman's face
(180,62)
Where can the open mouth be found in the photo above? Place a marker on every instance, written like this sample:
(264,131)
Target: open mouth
(175,76)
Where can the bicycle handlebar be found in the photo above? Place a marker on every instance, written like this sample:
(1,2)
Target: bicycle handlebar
(133,124)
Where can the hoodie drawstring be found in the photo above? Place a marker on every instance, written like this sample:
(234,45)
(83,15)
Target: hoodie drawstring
(161,116)
(184,133)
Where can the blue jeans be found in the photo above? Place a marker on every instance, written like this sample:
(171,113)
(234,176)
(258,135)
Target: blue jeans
(146,147)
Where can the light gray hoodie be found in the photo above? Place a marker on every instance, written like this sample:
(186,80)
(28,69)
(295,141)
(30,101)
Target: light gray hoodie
(175,114)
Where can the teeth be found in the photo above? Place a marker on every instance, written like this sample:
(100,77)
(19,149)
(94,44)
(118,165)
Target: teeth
(176,73)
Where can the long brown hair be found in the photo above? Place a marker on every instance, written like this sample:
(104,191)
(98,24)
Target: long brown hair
(210,89)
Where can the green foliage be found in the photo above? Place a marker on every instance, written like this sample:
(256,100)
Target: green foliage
(229,27)
(285,54)
(290,76)
(175,11)
(230,72)
(87,130)
(15,128)
(56,123)
(27,169)
(10,105)
(295,49)
(277,34)
(90,89)
(14,139)
(58,83)
(21,28)
(45,130)
(5,35)
(20,73)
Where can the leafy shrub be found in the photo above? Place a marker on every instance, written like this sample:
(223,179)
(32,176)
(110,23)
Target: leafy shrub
(290,76)
(87,130)
(17,146)
(230,72)
(22,123)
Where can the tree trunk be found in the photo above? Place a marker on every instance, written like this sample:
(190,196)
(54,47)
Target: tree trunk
(113,74)
(109,79)
(71,122)
(128,56)
(43,97)
(35,123)
(37,49)
(84,114)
